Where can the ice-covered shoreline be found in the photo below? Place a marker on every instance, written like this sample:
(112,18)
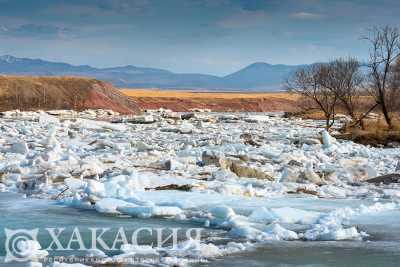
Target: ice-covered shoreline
(231,166)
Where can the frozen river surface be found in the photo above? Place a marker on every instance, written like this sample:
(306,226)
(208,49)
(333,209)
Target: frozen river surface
(262,190)
(382,249)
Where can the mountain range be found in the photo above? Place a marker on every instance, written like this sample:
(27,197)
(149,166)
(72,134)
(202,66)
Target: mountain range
(258,76)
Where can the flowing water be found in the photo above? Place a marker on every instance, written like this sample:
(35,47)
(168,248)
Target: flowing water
(382,248)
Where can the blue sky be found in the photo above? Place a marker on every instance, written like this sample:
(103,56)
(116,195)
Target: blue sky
(205,36)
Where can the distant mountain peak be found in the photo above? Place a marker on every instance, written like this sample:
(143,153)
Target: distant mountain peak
(258,64)
(258,76)
(9,59)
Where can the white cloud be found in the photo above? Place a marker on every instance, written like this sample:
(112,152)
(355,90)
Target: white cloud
(244,19)
(37,31)
(305,15)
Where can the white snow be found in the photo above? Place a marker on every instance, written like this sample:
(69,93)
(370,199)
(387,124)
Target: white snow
(150,211)
(111,205)
(124,169)
(284,215)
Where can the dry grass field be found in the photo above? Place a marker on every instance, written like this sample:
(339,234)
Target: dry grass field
(375,132)
(216,101)
(205,94)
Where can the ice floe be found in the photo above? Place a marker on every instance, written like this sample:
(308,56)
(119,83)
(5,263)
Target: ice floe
(220,171)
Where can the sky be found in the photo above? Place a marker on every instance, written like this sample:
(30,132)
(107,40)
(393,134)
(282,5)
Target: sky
(191,36)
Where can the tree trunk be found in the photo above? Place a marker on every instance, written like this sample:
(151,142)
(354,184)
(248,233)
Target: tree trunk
(387,116)
(327,121)
(350,110)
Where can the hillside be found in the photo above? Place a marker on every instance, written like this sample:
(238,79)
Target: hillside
(259,76)
(255,77)
(29,93)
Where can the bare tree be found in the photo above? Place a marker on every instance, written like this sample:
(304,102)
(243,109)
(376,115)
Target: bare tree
(344,78)
(385,50)
(394,98)
(309,83)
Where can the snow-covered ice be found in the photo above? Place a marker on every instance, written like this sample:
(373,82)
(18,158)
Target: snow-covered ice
(246,174)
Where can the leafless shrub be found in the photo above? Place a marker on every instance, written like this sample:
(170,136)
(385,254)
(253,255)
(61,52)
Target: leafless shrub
(344,79)
(309,83)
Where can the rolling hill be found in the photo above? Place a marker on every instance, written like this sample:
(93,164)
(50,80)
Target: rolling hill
(78,93)
(255,77)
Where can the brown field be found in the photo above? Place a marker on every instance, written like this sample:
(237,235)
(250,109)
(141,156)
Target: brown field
(216,101)
(205,94)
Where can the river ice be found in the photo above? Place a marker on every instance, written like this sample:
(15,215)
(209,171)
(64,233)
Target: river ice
(256,177)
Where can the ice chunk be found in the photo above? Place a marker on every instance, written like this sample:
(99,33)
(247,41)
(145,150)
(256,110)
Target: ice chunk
(272,152)
(325,233)
(34,264)
(139,249)
(222,212)
(150,211)
(186,128)
(111,205)
(19,148)
(173,164)
(333,191)
(262,215)
(166,211)
(330,227)
(358,168)
(311,176)
(257,119)
(289,175)
(223,175)
(46,119)
(77,202)
(378,207)
(248,232)
(74,184)
(346,234)
(98,125)
(92,166)
(94,187)
(281,233)
(209,250)
(142,146)
(327,139)
(194,248)
(284,215)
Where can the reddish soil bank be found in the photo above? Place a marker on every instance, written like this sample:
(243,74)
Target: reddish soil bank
(32,93)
